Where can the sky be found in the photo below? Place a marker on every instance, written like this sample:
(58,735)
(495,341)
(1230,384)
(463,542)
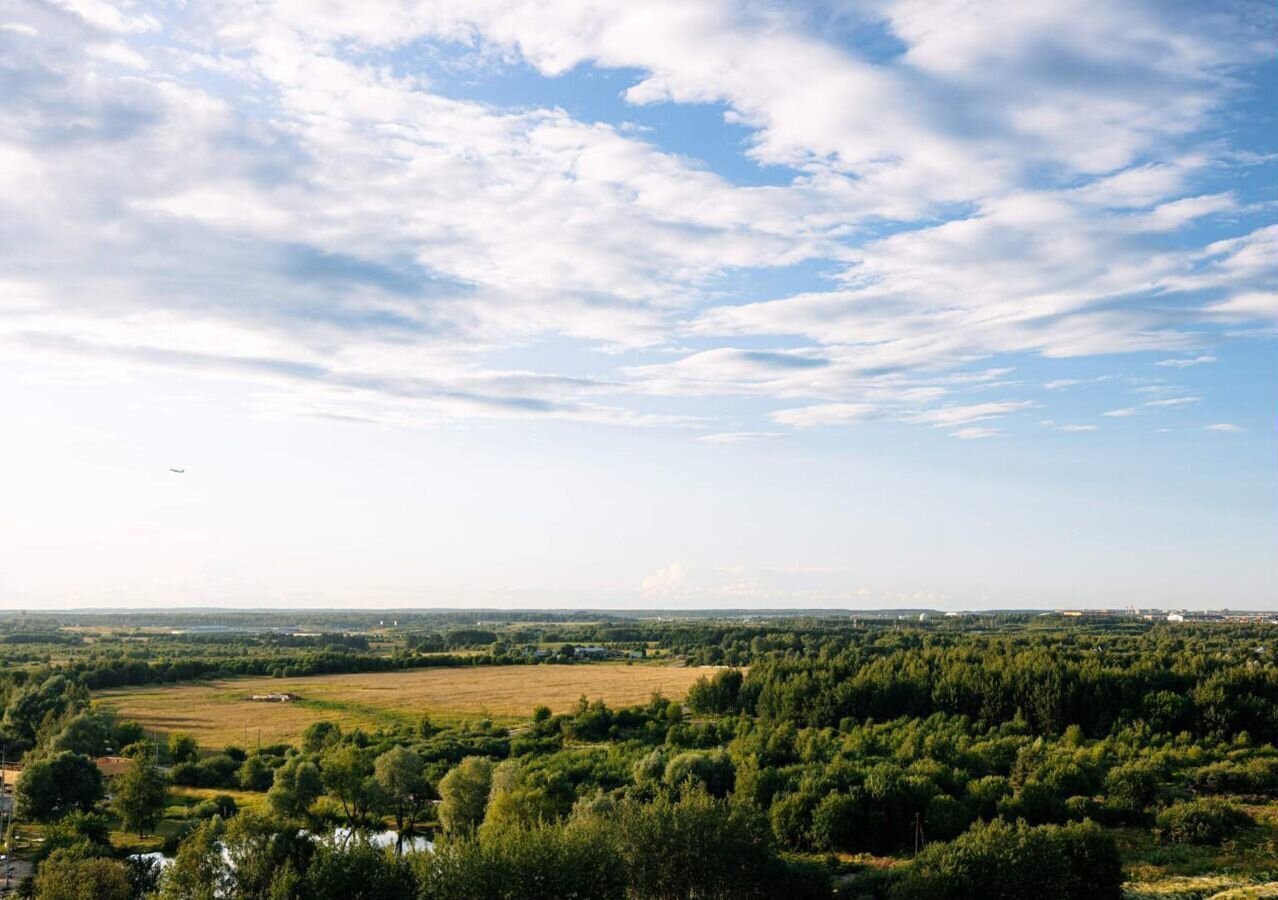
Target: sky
(894,303)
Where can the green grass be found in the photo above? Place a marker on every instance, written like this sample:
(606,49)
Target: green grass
(1240,869)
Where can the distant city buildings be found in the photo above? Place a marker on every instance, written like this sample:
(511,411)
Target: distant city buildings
(1174,615)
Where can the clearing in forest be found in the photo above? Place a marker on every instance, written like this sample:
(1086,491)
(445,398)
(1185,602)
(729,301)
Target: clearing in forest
(217,713)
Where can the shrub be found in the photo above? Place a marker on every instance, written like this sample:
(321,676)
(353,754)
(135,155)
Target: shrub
(187,774)
(1206,821)
(1129,789)
(1001,861)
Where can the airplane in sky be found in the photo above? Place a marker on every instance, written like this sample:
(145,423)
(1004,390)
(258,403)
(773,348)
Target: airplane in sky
(179,471)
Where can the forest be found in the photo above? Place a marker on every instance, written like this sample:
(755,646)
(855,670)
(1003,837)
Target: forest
(824,755)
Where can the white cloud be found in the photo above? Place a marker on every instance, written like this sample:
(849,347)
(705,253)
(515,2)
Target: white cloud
(1224,426)
(975,433)
(947,416)
(1248,305)
(665,581)
(1057,426)
(740,437)
(825,414)
(285,208)
(1185,363)
(1174,401)
(1122,413)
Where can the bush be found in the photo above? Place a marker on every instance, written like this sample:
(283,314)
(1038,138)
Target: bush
(187,774)
(1207,821)
(1001,861)
(712,771)
(226,805)
(1259,776)
(1129,790)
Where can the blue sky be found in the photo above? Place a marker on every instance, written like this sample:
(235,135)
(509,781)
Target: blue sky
(893,303)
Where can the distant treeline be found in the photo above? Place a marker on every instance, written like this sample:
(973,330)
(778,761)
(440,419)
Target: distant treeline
(1220,682)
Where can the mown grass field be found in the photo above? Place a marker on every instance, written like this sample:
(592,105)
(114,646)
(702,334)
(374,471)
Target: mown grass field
(218,713)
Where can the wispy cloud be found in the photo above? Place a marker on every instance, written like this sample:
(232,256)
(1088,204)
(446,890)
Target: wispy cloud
(294,204)
(740,437)
(1186,362)
(974,433)
(1067,427)
(947,416)
(825,414)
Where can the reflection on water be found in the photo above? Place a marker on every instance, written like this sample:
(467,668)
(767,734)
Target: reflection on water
(381,839)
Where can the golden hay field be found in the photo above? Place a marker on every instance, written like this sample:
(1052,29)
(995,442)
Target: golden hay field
(217,713)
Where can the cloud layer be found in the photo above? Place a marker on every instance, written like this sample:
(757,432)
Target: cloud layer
(302,203)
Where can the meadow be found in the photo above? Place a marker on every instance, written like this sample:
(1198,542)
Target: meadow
(217,713)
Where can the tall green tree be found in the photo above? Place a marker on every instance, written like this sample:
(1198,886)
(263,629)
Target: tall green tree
(297,785)
(57,784)
(463,794)
(67,875)
(266,856)
(403,788)
(347,773)
(356,870)
(199,871)
(138,795)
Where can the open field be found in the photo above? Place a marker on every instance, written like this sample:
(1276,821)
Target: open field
(218,713)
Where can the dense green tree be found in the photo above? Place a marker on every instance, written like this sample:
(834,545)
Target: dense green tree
(402,788)
(182,748)
(138,795)
(198,871)
(1130,789)
(67,875)
(256,773)
(699,847)
(522,797)
(712,771)
(320,736)
(88,733)
(296,786)
(717,694)
(464,793)
(55,785)
(347,774)
(542,862)
(266,856)
(355,870)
